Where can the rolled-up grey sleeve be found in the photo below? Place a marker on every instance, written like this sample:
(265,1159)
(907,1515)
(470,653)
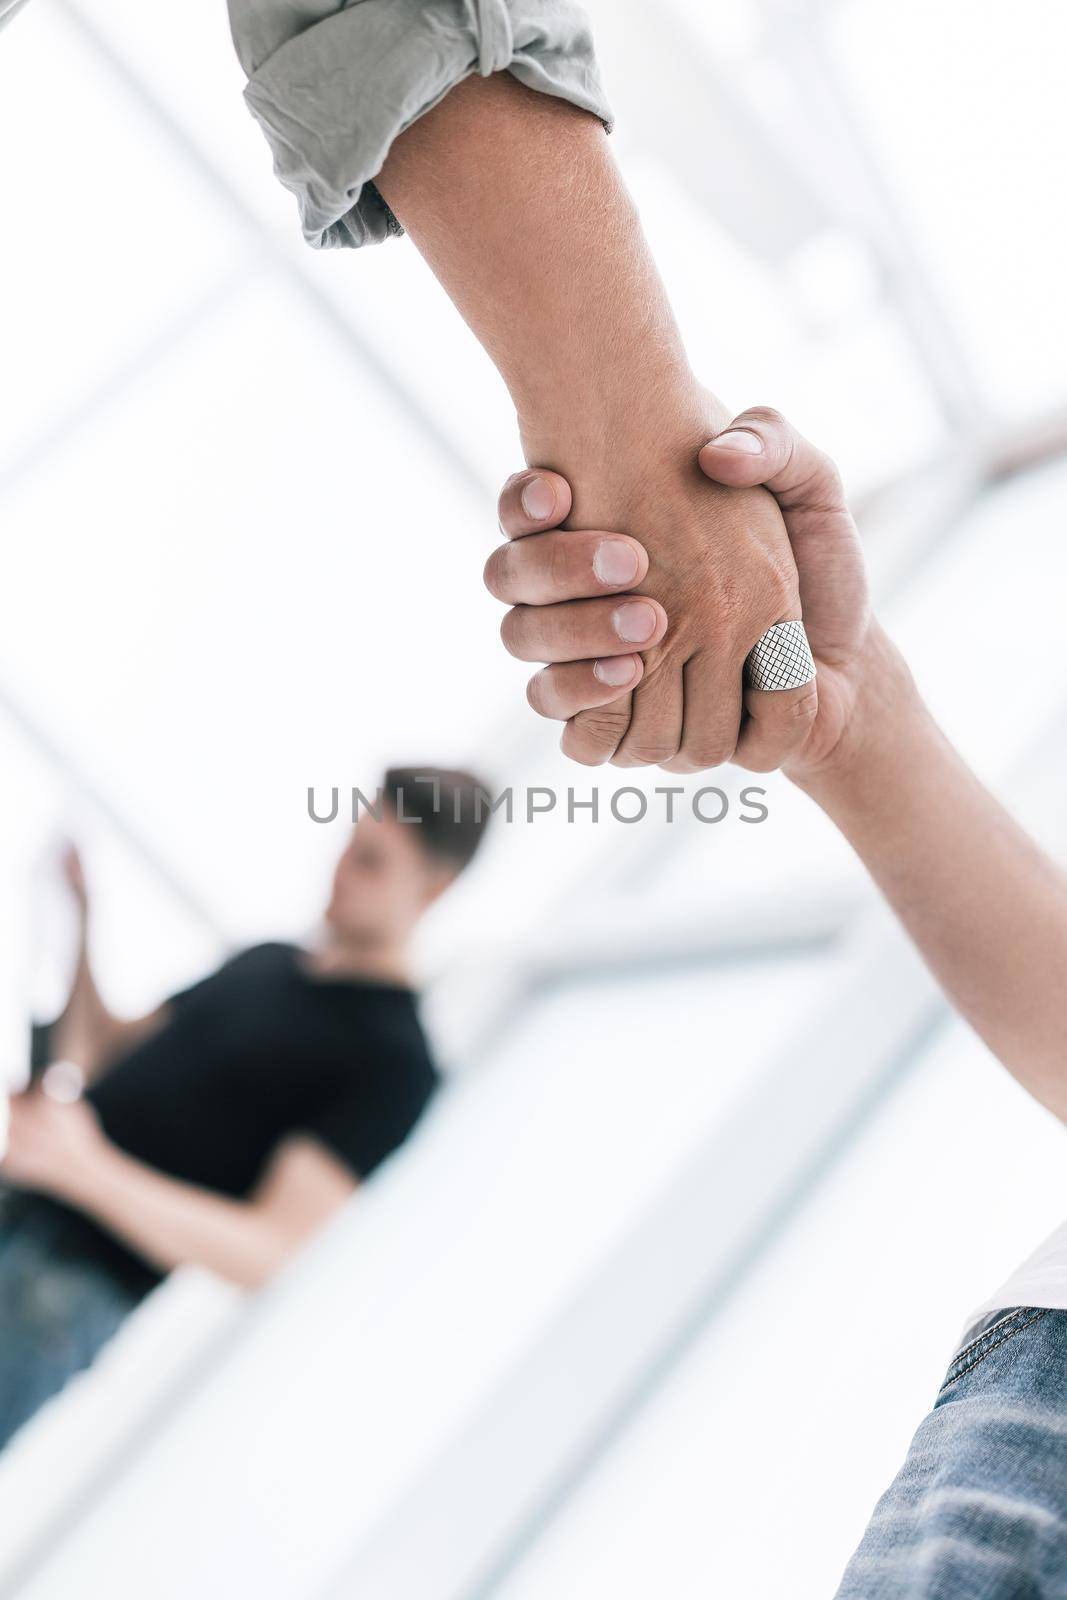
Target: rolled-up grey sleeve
(333,84)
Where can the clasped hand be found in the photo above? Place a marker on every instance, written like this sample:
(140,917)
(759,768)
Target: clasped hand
(579,604)
(49,1143)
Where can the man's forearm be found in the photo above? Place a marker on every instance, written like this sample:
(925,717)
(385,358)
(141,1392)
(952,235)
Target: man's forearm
(986,907)
(515,201)
(174,1224)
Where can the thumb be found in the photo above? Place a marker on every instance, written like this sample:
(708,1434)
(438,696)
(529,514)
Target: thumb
(761,447)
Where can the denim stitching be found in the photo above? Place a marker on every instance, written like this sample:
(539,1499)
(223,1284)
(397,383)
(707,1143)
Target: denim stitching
(998,1326)
(973,1356)
(1001,1330)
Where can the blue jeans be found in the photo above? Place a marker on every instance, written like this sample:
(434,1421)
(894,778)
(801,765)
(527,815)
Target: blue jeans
(979,1509)
(56,1310)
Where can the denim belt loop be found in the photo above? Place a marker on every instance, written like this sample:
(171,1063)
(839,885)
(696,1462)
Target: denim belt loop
(495,43)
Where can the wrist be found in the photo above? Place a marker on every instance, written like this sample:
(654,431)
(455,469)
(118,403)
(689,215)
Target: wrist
(886,714)
(636,437)
(87,1175)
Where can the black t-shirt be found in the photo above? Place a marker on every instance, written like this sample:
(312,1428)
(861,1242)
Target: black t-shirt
(262,1049)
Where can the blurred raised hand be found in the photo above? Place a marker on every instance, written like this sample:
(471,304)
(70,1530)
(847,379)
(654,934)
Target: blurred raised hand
(73,870)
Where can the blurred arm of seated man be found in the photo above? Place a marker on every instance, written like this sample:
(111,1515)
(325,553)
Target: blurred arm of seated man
(481,132)
(224,1133)
(981,1489)
(61,1150)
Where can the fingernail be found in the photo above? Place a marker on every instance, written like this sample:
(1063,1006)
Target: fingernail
(615,562)
(538,499)
(634,622)
(614,670)
(750,444)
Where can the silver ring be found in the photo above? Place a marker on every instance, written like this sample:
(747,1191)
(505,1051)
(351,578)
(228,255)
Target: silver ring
(781,660)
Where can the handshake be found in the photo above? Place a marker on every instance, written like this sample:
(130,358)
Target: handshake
(646,648)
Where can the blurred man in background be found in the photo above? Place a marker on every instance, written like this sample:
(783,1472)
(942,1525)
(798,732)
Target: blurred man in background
(225,1127)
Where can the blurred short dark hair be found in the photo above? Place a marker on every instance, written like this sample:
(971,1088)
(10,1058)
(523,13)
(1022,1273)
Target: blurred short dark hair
(452,809)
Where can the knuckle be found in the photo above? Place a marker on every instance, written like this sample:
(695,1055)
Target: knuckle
(701,754)
(819,490)
(538,695)
(559,568)
(769,415)
(645,752)
(588,752)
(514,631)
(505,505)
(829,474)
(583,756)
(803,710)
(604,725)
(792,725)
(758,761)
(577,631)
(779,437)
(496,572)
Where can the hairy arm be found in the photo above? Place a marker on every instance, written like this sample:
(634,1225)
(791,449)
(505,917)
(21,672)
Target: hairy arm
(516,203)
(514,200)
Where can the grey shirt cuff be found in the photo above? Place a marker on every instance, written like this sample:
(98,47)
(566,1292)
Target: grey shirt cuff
(332,85)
